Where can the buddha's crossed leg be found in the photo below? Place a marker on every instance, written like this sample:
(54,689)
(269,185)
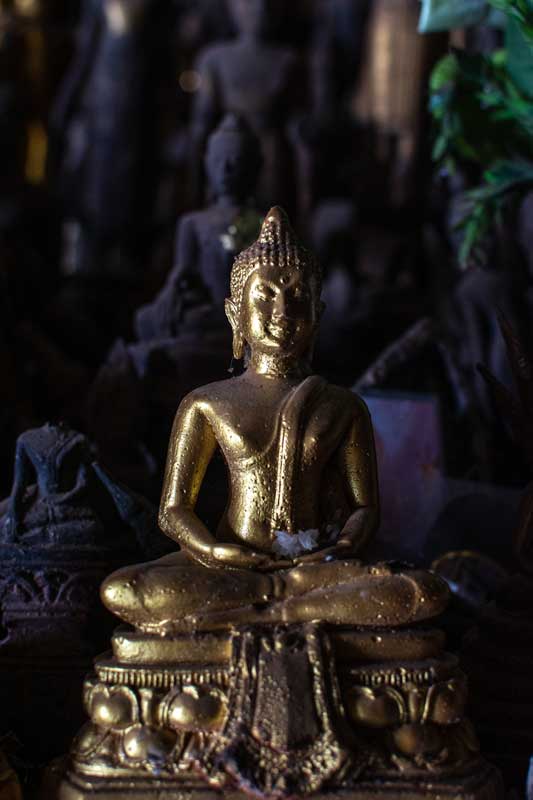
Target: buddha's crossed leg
(178,594)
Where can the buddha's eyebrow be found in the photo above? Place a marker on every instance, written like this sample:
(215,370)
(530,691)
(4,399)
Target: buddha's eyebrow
(296,279)
(266,282)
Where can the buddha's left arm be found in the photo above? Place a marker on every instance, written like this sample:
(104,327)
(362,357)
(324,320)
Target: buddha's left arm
(359,468)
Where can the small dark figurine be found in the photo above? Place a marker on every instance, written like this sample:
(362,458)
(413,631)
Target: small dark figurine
(182,337)
(257,79)
(65,525)
(207,241)
(42,460)
(104,127)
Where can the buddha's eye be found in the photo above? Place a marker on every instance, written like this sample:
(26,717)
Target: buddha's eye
(264,292)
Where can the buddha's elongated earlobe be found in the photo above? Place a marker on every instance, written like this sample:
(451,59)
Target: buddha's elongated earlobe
(238,347)
(238,339)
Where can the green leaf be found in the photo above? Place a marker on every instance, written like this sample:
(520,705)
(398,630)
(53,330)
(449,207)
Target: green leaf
(439,148)
(509,174)
(504,180)
(445,71)
(519,10)
(498,58)
(443,15)
(520,56)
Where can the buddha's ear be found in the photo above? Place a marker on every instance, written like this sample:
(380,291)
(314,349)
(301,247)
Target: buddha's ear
(233,318)
(231,312)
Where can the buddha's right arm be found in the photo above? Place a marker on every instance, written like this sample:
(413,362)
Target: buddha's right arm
(192,444)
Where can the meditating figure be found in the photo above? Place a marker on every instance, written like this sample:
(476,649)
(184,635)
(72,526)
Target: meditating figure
(207,241)
(303,496)
(258,79)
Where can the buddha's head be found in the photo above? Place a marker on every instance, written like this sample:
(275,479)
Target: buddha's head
(253,18)
(275,306)
(233,158)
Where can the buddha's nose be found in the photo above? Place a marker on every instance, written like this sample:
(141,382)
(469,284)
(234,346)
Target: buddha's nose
(280,305)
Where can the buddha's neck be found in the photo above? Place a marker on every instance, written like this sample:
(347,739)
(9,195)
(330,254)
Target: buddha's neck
(278,366)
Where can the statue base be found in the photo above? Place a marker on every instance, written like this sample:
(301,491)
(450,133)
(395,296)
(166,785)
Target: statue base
(481,782)
(276,712)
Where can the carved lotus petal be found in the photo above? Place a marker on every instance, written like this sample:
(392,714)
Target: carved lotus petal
(446,702)
(88,740)
(415,739)
(191,709)
(148,744)
(375,708)
(113,708)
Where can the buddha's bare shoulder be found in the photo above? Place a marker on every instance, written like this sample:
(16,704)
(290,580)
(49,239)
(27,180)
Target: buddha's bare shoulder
(349,400)
(211,397)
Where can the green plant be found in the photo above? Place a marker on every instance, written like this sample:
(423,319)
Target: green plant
(482,106)
(520,10)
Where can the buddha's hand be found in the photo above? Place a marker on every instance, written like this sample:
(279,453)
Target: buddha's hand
(343,548)
(233,555)
(356,532)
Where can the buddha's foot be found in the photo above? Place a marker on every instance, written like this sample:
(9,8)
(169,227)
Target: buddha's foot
(274,713)
(379,598)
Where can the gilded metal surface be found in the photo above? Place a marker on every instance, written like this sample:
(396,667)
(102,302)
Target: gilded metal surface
(479,782)
(302,473)
(133,647)
(266,660)
(361,646)
(282,718)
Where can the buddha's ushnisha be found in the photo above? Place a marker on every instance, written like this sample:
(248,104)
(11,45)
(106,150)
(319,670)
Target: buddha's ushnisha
(303,495)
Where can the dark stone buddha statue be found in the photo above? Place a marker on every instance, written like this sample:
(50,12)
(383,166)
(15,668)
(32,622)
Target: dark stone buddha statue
(208,240)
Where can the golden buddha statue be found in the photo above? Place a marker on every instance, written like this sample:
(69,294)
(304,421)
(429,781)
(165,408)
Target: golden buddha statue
(267,659)
(303,484)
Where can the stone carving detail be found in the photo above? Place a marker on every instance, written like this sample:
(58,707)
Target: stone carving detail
(64,526)
(236,727)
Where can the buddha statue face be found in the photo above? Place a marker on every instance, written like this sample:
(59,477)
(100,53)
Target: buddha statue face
(233,159)
(252,17)
(275,294)
(279,311)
